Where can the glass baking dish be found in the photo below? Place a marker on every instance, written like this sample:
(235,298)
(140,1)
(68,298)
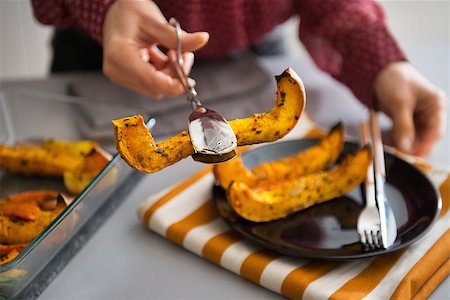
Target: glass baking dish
(36,115)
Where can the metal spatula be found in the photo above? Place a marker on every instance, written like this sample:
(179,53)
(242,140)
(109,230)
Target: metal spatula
(212,137)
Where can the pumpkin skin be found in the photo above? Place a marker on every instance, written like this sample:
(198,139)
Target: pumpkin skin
(279,199)
(138,148)
(310,160)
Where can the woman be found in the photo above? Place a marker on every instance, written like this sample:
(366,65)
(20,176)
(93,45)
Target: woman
(347,38)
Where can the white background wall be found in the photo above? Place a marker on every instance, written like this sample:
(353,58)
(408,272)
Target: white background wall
(413,23)
(24,44)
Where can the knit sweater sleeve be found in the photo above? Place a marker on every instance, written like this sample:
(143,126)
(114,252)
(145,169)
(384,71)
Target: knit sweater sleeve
(350,40)
(89,15)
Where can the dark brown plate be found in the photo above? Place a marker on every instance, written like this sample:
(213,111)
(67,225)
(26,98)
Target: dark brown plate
(328,230)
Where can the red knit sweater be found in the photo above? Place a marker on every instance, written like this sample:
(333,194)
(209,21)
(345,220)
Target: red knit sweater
(348,39)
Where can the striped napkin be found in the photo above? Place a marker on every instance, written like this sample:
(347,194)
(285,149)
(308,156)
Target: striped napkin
(185,214)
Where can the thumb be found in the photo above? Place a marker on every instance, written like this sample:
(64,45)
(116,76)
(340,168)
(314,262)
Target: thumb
(403,131)
(193,41)
(165,34)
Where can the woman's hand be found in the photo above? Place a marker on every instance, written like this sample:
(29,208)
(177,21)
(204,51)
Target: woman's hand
(417,108)
(131,33)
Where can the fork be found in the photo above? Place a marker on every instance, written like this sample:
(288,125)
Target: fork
(369,222)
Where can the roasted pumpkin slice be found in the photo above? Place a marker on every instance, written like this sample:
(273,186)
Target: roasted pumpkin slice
(17,231)
(9,257)
(52,158)
(271,126)
(19,228)
(35,161)
(78,162)
(310,160)
(26,205)
(277,200)
(76,149)
(6,249)
(138,148)
(93,162)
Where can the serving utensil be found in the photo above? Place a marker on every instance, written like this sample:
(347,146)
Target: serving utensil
(212,137)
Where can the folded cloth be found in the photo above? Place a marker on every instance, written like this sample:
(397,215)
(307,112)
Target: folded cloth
(185,215)
(223,85)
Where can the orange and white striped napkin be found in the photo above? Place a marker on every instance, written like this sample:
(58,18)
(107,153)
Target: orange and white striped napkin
(185,215)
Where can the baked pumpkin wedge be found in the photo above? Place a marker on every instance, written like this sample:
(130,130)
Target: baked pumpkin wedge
(278,200)
(9,257)
(26,205)
(271,126)
(77,161)
(18,227)
(51,158)
(75,180)
(17,231)
(310,160)
(35,160)
(6,249)
(138,148)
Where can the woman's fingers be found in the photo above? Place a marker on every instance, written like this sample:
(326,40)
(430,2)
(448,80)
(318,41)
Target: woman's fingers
(188,59)
(138,74)
(155,25)
(165,34)
(131,26)
(417,108)
(431,121)
(157,57)
(403,132)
